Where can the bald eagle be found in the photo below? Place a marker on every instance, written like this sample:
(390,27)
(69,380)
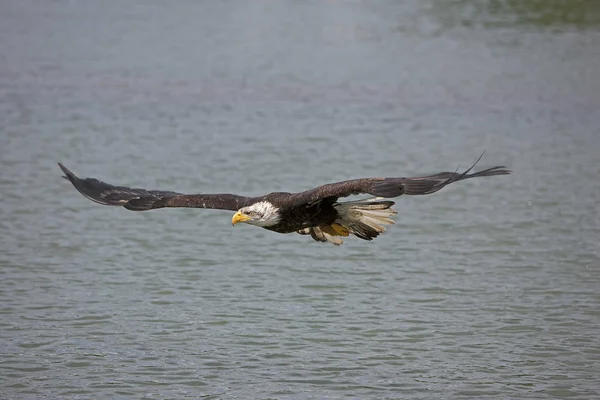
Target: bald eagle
(315,212)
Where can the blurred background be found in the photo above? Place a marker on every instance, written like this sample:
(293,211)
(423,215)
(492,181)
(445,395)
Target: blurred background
(487,289)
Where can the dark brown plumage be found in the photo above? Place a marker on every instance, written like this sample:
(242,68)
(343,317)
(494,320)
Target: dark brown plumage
(316,211)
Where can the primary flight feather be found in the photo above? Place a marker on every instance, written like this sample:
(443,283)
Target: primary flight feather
(316,212)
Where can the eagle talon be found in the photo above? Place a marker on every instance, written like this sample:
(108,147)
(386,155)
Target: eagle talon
(340,230)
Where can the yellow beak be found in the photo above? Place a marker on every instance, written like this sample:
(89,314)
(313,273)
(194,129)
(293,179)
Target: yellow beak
(239,217)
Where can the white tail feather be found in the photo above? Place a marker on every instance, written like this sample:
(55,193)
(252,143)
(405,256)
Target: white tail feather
(364,218)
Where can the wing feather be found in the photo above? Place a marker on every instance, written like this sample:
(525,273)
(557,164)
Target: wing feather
(393,187)
(140,199)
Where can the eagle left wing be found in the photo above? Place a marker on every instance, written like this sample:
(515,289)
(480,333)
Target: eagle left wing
(141,199)
(392,187)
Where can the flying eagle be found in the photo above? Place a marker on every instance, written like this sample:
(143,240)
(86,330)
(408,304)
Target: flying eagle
(315,212)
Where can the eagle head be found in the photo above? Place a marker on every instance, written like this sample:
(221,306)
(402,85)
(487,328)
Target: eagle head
(262,214)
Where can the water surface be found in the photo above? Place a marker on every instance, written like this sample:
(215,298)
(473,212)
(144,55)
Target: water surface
(488,289)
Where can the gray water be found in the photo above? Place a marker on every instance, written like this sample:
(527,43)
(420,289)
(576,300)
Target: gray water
(487,289)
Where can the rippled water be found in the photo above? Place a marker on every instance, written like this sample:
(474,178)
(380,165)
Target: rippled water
(489,288)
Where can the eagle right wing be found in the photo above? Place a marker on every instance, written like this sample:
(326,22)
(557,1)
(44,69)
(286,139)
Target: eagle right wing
(142,200)
(392,187)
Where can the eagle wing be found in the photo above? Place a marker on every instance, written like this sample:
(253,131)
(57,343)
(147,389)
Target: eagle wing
(392,187)
(141,199)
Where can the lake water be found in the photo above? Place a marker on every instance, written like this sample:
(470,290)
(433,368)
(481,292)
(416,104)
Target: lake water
(487,289)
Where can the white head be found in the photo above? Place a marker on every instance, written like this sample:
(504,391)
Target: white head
(262,214)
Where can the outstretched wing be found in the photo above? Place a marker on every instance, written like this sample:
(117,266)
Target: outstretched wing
(141,199)
(393,187)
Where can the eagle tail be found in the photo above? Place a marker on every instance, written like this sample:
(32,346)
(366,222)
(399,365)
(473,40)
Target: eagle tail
(365,219)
